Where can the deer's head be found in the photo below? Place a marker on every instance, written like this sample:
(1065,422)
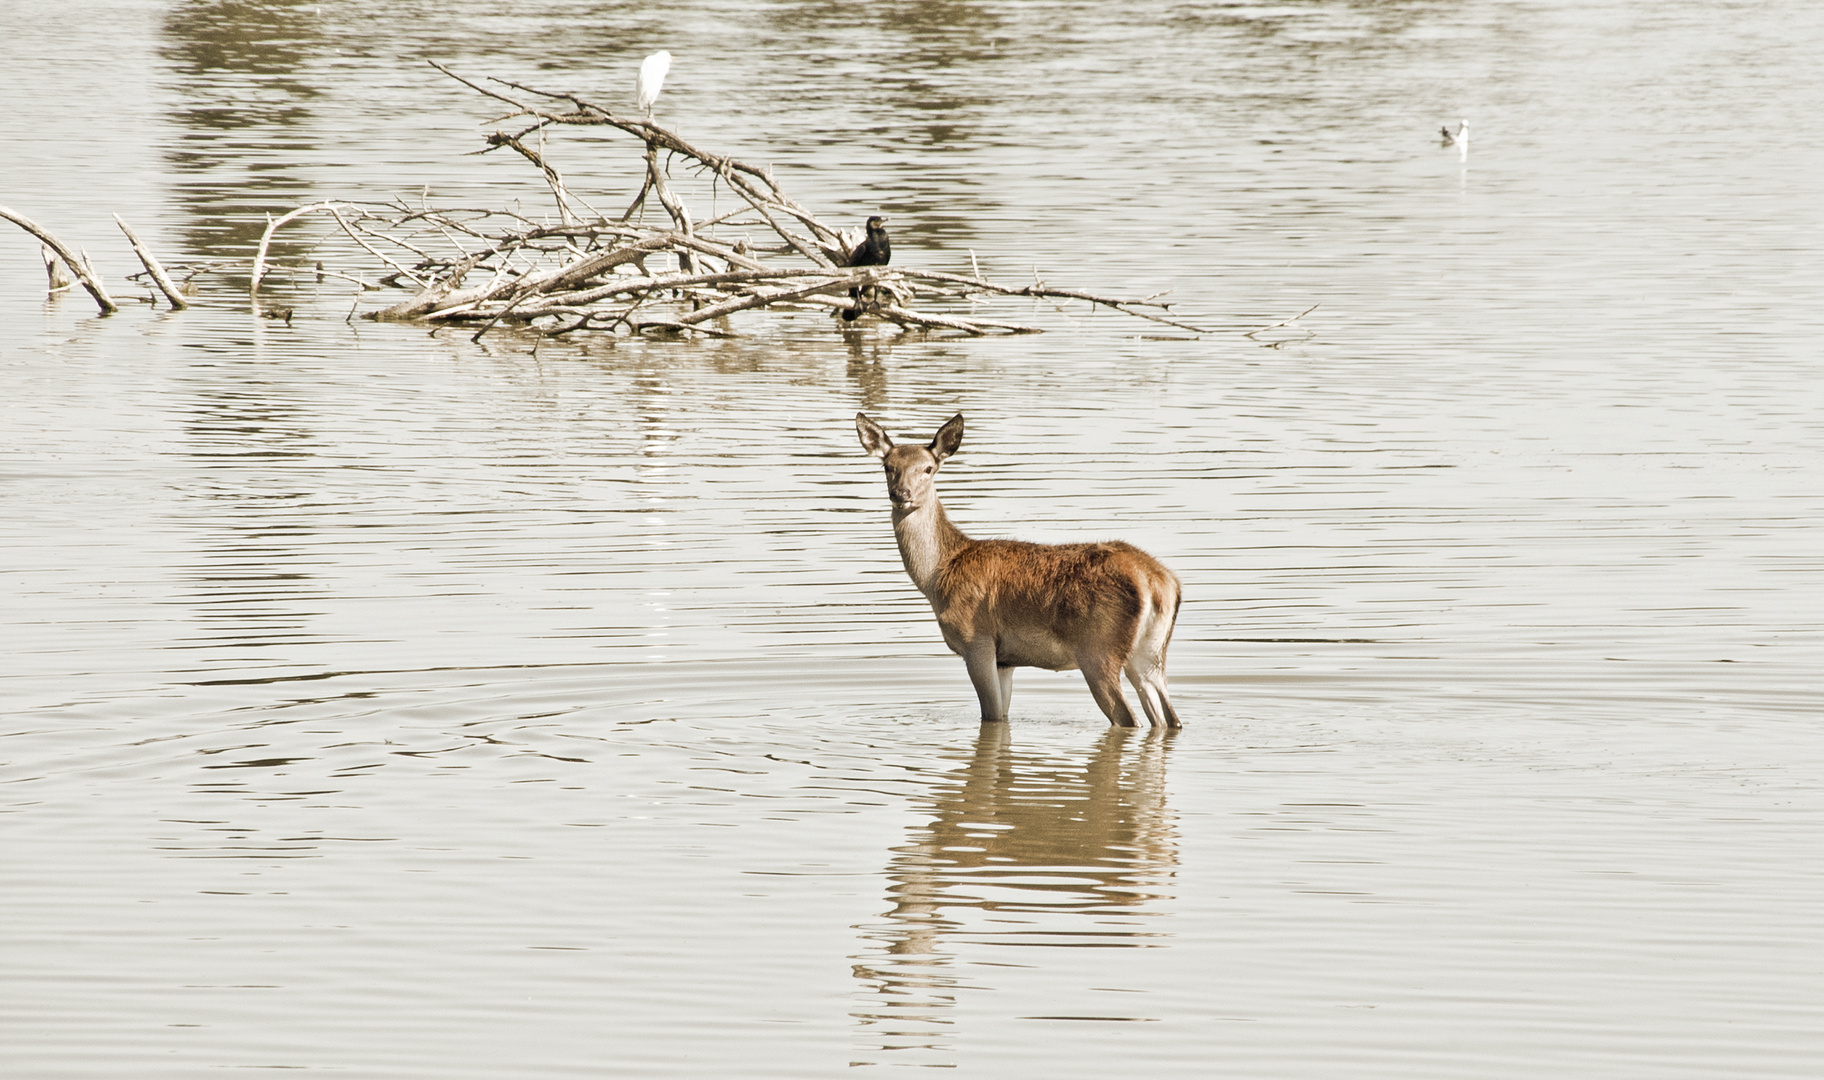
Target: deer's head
(910,469)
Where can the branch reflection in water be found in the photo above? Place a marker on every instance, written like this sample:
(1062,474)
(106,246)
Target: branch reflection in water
(1026,848)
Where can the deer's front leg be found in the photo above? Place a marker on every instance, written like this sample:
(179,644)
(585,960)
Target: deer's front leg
(978,655)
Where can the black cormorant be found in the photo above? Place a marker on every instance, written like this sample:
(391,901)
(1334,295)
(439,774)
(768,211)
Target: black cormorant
(874,250)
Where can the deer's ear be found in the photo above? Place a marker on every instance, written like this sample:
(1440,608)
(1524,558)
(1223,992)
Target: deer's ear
(948,438)
(873,439)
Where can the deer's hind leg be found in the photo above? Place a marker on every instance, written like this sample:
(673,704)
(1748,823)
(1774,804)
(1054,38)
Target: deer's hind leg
(1146,671)
(1149,687)
(1102,671)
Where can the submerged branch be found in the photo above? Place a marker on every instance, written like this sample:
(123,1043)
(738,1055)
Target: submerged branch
(153,268)
(977,327)
(272,226)
(78,262)
(1042,291)
(55,280)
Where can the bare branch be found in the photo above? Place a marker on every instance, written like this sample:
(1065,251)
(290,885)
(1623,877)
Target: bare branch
(272,226)
(53,270)
(1041,290)
(759,299)
(150,262)
(78,264)
(369,248)
(969,326)
(1284,322)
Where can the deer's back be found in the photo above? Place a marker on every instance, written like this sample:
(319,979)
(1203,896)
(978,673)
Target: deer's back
(1050,595)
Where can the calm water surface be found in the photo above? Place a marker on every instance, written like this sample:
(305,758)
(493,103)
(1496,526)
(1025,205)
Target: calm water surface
(383,704)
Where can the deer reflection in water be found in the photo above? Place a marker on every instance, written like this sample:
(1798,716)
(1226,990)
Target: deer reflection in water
(1021,842)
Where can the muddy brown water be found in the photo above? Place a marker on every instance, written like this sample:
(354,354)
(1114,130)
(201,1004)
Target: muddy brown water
(382,704)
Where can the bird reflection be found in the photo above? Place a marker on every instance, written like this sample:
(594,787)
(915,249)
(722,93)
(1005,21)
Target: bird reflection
(1022,845)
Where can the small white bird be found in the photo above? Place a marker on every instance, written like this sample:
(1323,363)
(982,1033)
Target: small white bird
(652,76)
(1460,140)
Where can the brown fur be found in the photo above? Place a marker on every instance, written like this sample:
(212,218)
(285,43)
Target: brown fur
(1106,608)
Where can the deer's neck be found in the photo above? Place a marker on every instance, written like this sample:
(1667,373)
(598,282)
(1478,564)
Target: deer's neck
(926,540)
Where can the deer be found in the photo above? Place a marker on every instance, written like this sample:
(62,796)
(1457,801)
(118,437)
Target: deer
(1103,608)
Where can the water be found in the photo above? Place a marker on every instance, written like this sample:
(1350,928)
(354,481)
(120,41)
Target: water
(387,704)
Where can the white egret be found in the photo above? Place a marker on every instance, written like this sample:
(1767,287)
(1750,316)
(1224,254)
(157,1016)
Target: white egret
(652,76)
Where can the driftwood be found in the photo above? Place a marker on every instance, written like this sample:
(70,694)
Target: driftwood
(78,261)
(154,268)
(1291,325)
(57,256)
(55,279)
(585,270)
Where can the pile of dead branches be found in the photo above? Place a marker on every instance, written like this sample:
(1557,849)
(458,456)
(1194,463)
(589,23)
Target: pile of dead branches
(585,270)
(579,269)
